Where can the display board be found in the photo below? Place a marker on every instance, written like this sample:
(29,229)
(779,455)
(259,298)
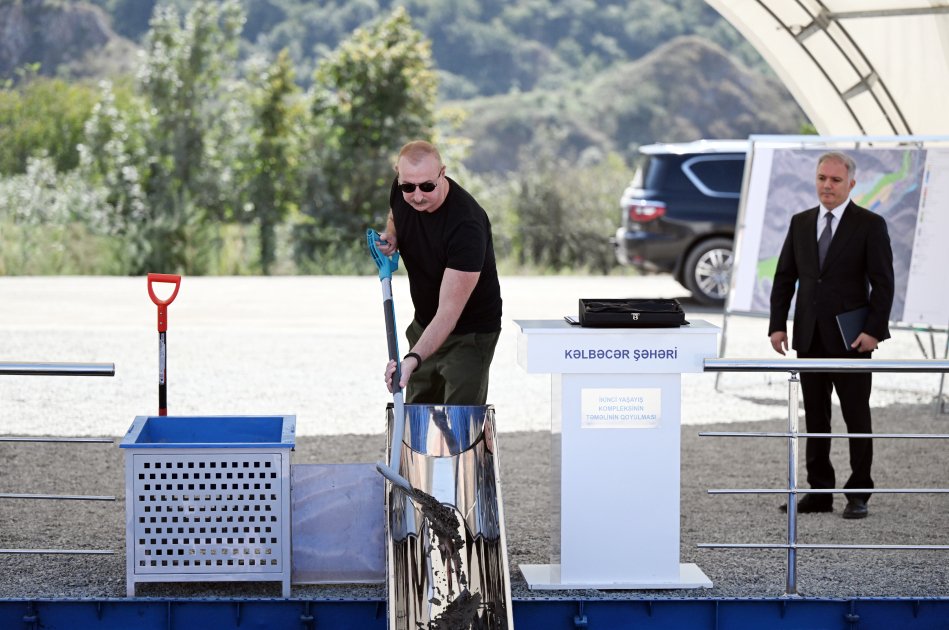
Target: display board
(908,186)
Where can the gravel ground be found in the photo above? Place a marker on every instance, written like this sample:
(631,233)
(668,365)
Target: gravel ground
(315,347)
(706,463)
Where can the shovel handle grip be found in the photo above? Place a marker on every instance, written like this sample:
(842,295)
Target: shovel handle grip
(162,311)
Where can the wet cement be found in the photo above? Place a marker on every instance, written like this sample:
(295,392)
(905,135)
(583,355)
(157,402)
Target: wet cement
(463,607)
(460,614)
(444,523)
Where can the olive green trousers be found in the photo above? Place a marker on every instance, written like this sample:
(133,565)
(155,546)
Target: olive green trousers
(457,374)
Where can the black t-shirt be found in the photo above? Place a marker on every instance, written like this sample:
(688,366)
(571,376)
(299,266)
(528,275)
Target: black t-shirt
(455,236)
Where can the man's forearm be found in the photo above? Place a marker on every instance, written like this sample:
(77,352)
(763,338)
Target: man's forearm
(455,290)
(783,286)
(390,225)
(435,335)
(780,306)
(880,275)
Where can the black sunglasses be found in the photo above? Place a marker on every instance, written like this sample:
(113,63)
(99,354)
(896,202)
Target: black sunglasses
(425,187)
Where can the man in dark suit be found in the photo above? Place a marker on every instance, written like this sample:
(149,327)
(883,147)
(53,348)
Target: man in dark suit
(840,255)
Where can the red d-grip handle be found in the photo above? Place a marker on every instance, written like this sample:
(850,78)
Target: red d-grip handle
(162,304)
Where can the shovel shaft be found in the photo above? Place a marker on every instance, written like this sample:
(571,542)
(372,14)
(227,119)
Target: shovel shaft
(392,340)
(398,431)
(386,265)
(162,375)
(395,478)
(392,337)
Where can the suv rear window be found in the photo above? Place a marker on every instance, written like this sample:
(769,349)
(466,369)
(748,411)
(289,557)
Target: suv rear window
(716,176)
(665,174)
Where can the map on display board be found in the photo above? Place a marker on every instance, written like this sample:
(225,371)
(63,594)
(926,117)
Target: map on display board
(909,187)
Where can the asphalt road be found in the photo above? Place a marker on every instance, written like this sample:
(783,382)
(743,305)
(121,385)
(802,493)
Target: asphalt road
(315,347)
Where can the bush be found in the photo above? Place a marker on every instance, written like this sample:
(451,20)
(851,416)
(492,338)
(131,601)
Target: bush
(552,216)
(43,117)
(56,223)
(44,196)
(566,213)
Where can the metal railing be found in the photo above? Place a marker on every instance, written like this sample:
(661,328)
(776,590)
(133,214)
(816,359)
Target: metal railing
(940,396)
(16,368)
(8,368)
(794,367)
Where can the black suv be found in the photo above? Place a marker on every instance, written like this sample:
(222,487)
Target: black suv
(681,217)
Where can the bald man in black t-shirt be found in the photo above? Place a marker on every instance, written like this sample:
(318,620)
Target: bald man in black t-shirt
(444,238)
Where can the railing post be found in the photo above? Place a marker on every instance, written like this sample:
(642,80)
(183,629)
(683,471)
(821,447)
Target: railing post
(793,384)
(721,350)
(942,378)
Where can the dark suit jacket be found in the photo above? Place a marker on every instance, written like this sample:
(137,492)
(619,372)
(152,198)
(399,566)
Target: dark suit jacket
(859,259)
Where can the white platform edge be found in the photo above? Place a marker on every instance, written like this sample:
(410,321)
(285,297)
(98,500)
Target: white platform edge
(538,578)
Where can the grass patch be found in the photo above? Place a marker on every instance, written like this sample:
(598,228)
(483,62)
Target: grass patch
(60,250)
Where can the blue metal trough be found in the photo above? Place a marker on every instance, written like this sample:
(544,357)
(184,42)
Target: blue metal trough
(530,613)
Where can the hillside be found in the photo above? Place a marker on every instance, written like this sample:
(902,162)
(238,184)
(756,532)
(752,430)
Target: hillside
(592,78)
(480,47)
(687,89)
(68,38)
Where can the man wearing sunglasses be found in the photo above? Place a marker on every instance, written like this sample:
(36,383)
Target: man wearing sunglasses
(444,239)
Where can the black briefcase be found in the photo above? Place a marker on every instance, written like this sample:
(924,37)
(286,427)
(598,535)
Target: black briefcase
(631,314)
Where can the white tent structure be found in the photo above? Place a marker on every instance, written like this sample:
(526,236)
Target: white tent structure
(856,67)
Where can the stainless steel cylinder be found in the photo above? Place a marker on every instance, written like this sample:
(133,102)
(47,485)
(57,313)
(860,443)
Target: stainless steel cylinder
(448,563)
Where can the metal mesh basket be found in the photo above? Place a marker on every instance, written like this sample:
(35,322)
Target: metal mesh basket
(207,514)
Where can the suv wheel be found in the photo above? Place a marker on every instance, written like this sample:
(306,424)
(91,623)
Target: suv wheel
(708,270)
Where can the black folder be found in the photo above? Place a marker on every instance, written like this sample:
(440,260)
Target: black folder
(851,325)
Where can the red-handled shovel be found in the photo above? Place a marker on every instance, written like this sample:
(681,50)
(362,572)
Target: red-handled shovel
(162,329)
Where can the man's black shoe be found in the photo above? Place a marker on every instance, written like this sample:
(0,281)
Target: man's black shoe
(811,504)
(856,508)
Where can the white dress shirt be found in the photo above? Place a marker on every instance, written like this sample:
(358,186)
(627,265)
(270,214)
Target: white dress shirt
(837,213)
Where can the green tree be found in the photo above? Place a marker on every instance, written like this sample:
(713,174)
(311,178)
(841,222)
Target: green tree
(188,182)
(273,190)
(113,154)
(373,94)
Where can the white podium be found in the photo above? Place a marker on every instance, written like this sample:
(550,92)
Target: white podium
(614,453)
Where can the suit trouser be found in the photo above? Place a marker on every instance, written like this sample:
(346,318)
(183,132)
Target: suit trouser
(853,390)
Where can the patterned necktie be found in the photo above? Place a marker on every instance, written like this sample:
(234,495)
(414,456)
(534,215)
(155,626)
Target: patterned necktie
(823,243)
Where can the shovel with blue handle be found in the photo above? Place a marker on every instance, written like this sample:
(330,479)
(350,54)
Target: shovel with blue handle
(386,265)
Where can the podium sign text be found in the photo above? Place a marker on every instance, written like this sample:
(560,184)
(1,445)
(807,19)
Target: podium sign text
(621,408)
